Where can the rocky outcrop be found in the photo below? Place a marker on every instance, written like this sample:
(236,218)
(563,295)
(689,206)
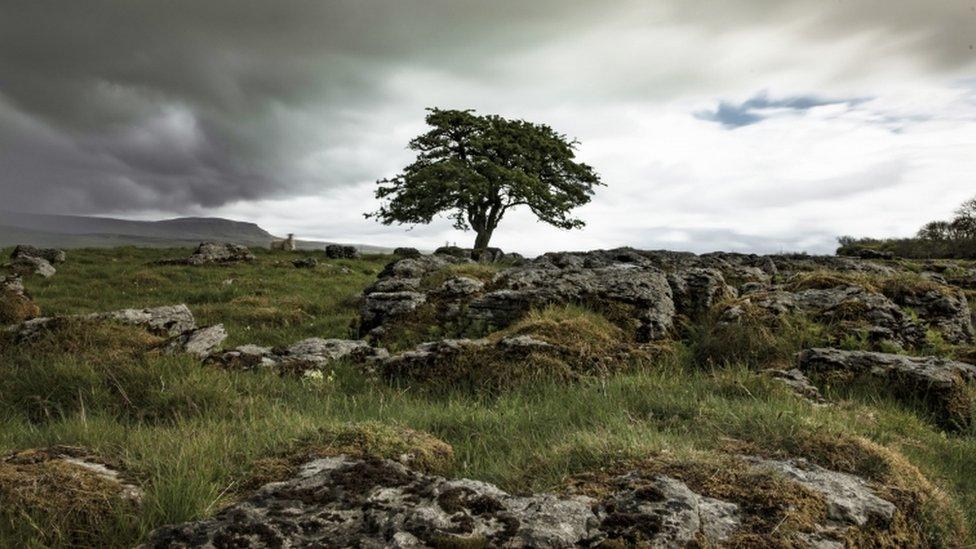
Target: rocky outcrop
(200,342)
(943,308)
(848,306)
(459,287)
(643,292)
(209,253)
(404,251)
(851,503)
(51,255)
(305,263)
(885,320)
(397,291)
(487,255)
(170,320)
(342,502)
(339,251)
(796,382)
(429,357)
(696,290)
(28,264)
(651,287)
(378,308)
(16,304)
(939,383)
(418,267)
(307,354)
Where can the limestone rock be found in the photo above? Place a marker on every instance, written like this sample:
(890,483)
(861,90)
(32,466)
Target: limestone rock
(395,284)
(307,354)
(426,355)
(798,383)
(169,320)
(213,253)
(882,319)
(418,267)
(342,502)
(939,382)
(454,251)
(664,512)
(460,286)
(379,307)
(305,263)
(945,309)
(29,264)
(51,255)
(166,320)
(16,304)
(850,501)
(339,251)
(644,290)
(695,291)
(200,342)
(406,252)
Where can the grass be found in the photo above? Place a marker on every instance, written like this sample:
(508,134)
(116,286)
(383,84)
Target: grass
(193,436)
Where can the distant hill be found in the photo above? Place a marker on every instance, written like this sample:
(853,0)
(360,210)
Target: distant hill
(74,231)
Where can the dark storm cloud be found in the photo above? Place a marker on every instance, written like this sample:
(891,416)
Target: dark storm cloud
(751,111)
(121,105)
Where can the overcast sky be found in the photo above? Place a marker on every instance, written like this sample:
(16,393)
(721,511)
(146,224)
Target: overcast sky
(750,125)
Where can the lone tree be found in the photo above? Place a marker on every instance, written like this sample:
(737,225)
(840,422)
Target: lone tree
(475,168)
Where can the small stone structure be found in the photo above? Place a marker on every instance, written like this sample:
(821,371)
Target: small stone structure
(287,244)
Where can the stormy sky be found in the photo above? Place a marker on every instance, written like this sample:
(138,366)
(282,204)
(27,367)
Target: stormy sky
(752,125)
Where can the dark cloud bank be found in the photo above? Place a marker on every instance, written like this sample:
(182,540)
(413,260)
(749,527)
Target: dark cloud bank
(118,106)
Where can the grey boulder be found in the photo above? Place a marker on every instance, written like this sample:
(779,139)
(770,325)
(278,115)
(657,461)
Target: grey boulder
(345,502)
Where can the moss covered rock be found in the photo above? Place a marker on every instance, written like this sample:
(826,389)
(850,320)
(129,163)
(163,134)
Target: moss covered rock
(66,495)
(418,450)
(16,304)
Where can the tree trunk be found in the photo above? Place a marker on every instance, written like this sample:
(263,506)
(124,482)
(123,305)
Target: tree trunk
(480,243)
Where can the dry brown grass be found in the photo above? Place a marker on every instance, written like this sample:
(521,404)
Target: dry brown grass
(15,308)
(416,449)
(62,503)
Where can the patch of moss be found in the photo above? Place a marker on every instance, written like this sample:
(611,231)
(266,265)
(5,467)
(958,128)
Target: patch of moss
(773,508)
(902,286)
(485,272)
(582,344)
(925,517)
(16,308)
(58,501)
(416,449)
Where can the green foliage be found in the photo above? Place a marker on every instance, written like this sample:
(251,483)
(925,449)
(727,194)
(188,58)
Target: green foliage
(954,239)
(475,168)
(758,338)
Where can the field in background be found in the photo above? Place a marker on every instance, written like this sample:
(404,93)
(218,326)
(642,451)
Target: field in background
(191,433)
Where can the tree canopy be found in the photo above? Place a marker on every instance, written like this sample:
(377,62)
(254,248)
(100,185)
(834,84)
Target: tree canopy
(475,168)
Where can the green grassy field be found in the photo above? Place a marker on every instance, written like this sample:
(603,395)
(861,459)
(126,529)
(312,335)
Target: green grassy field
(190,433)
